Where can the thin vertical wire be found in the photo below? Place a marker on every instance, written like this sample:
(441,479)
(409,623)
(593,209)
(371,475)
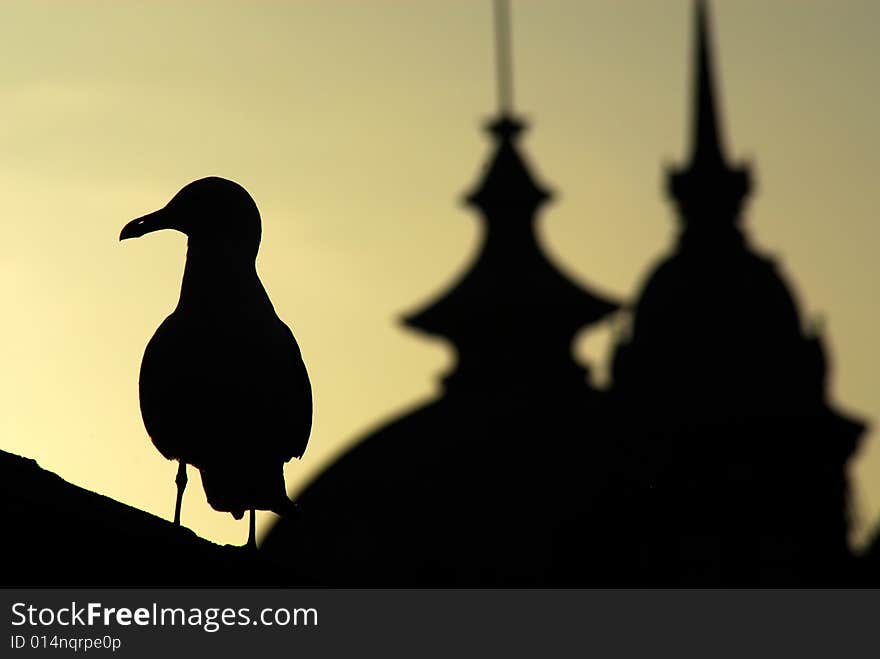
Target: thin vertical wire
(503,57)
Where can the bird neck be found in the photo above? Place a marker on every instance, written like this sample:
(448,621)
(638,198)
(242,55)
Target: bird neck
(219,278)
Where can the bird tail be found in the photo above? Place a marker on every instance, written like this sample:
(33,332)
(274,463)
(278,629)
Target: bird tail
(236,487)
(286,508)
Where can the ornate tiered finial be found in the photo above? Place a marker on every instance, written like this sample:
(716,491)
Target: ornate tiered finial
(512,300)
(707,186)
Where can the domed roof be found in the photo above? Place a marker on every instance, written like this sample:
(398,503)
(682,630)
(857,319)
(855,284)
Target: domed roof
(720,293)
(716,326)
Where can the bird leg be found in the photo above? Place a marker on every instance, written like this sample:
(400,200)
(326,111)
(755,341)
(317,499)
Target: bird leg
(181,486)
(252,533)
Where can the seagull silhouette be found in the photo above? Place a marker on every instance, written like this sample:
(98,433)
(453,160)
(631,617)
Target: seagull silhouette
(223,386)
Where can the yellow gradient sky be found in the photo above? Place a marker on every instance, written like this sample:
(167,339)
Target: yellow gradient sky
(355,125)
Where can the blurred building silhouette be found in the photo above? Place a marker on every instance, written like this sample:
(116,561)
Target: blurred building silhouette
(736,463)
(714,459)
(479,485)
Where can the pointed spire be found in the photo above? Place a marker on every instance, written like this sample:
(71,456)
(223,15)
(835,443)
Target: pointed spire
(708,185)
(706,142)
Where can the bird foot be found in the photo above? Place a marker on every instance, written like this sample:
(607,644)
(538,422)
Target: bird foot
(252,532)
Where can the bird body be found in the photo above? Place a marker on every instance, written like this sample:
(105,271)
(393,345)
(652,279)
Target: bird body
(222,383)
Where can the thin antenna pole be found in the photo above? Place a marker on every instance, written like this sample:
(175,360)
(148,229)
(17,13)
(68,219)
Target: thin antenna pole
(503,61)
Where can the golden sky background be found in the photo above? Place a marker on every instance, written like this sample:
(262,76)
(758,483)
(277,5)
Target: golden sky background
(356,127)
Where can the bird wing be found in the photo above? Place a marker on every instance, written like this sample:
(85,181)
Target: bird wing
(287,394)
(173,404)
(217,389)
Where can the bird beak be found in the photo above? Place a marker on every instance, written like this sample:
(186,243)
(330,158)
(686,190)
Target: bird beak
(160,219)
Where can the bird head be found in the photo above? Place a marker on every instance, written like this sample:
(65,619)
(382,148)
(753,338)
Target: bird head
(213,212)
